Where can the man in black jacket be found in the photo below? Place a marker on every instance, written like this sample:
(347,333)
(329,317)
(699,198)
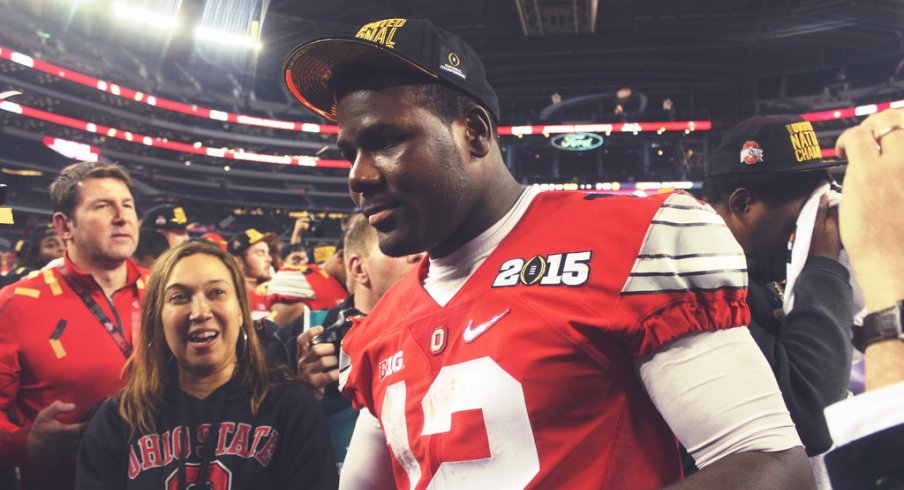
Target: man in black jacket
(758,180)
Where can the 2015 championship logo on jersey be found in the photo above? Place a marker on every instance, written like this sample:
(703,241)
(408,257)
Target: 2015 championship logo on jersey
(569,269)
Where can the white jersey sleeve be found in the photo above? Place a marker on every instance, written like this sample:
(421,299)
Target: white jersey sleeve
(734,408)
(367,463)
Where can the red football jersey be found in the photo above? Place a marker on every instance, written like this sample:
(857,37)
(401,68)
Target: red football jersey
(526,378)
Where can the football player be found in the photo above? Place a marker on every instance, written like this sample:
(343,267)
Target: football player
(549,340)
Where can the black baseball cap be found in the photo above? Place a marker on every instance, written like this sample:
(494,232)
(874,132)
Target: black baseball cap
(241,241)
(775,144)
(165,216)
(41,232)
(413,45)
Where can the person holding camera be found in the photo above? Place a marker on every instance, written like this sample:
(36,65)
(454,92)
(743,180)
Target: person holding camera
(314,350)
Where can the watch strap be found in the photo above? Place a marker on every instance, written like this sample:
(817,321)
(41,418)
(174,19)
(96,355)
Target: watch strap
(884,324)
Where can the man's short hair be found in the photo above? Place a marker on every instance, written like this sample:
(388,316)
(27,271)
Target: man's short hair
(446,102)
(772,188)
(359,237)
(443,100)
(64,190)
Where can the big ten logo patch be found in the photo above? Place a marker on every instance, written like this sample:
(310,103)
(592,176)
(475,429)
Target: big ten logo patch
(392,365)
(804,141)
(381,31)
(569,269)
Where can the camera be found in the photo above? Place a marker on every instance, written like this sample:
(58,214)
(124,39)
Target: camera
(334,333)
(315,227)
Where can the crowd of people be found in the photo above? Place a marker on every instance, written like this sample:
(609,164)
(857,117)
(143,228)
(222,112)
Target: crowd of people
(466,331)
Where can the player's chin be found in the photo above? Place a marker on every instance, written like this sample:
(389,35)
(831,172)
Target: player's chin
(399,242)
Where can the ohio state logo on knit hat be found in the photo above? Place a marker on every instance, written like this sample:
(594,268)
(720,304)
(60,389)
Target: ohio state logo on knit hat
(751,153)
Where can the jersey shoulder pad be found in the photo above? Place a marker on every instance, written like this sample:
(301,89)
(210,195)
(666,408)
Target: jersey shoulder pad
(687,248)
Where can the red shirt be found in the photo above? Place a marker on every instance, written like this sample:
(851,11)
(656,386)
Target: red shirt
(526,378)
(53,348)
(257,300)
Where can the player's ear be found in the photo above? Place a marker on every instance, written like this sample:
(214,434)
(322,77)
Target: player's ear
(740,200)
(478,130)
(357,272)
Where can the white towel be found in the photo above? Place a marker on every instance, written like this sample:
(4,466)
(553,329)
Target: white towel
(800,249)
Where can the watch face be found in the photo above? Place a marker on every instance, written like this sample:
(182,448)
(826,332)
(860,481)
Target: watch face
(883,325)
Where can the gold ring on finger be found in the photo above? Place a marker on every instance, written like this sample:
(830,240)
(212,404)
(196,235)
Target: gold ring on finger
(881,134)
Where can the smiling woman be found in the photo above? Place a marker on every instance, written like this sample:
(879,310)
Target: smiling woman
(200,404)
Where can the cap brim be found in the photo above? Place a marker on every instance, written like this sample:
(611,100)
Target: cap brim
(825,164)
(309,69)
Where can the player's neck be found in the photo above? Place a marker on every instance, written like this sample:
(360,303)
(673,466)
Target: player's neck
(111,276)
(487,211)
(365,299)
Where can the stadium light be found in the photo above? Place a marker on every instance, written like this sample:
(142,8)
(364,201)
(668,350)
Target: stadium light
(226,38)
(145,17)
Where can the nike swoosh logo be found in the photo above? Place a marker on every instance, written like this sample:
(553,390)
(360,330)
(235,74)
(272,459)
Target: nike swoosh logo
(472,332)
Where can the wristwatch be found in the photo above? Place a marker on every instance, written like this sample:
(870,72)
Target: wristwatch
(882,325)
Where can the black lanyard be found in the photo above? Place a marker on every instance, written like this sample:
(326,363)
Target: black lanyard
(115,331)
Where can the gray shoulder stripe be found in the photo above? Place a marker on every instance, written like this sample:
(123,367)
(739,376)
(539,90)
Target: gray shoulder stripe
(685,274)
(685,290)
(691,208)
(680,206)
(687,256)
(671,223)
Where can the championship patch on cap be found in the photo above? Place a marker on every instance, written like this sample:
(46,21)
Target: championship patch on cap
(452,65)
(769,144)
(253,235)
(408,45)
(165,216)
(381,32)
(241,241)
(804,142)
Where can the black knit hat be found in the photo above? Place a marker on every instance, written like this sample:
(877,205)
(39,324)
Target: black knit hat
(413,45)
(769,144)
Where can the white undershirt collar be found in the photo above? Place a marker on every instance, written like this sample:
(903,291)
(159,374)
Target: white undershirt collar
(446,275)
